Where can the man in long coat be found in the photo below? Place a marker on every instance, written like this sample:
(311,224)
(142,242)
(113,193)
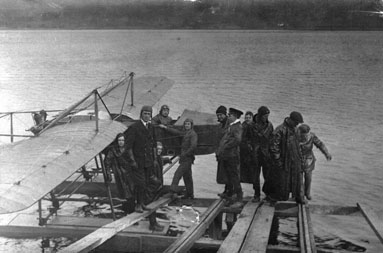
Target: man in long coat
(222,178)
(228,154)
(285,151)
(141,147)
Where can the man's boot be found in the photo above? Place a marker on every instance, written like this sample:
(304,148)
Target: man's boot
(154,225)
(237,198)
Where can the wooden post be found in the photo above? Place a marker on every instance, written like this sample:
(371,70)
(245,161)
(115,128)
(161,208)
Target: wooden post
(11,116)
(131,88)
(106,184)
(96,109)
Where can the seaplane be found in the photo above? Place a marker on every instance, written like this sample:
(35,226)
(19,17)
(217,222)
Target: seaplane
(65,154)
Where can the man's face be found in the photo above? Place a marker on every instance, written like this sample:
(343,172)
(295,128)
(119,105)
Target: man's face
(146,115)
(265,118)
(232,117)
(165,111)
(248,118)
(221,117)
(187,125)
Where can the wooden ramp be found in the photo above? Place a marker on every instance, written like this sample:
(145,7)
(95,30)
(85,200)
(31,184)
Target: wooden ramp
(251,231)
(98,237)
(373,220)
(186,241)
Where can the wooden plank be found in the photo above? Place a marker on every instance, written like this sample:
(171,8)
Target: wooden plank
(234,240)
(186,241)
(310,229)
(102,234)
(373,220)
(258,236)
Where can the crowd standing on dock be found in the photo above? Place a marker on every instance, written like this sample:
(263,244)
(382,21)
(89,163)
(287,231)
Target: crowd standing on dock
(284,155)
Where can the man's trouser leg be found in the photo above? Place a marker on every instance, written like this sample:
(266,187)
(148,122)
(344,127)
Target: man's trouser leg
(308,177)
(233,172)
(188,179)
(177,177)
(139,175)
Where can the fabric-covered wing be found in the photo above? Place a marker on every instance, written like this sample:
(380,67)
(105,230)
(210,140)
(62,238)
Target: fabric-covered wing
(31,168)
(146,90)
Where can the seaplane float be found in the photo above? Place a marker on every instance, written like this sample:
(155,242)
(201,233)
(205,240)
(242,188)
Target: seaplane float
(64,156)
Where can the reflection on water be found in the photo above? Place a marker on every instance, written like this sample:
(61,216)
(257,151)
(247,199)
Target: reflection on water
(284,231)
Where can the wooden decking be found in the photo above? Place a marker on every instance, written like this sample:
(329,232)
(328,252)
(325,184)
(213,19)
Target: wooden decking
(251,232)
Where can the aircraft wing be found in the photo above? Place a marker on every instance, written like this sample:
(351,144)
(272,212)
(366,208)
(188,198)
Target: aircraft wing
(147,91)
(31,168)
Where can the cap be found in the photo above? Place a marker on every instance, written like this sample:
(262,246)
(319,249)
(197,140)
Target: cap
(237,112)
(263,110)
(221,109)
(296,116)
(304,128)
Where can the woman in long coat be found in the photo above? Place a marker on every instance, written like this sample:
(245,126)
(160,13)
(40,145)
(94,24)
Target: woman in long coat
(116,161)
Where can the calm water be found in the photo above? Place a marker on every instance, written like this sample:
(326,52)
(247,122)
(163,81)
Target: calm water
(333,78)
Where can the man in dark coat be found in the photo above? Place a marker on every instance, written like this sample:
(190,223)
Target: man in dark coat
(228,154)
(287,159)
(262,132)
(221,113)
(141,146)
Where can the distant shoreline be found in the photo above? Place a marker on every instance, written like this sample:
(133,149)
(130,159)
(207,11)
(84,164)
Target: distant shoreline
(310,15)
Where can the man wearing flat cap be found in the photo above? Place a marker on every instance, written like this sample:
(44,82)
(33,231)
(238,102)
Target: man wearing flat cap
(228,155)
(287,159)
(141,146)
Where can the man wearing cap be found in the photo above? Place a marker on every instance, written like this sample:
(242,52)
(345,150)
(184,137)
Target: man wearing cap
(228,154)
(221,113)
(163,116)
(262,132)
(287,159)
(141,146)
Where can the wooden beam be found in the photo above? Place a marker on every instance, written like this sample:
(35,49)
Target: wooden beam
(373,220)
(257,237)
(186,241)
(234,240)
(98,237)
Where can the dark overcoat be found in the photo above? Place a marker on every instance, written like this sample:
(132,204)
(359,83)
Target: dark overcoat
(286,155)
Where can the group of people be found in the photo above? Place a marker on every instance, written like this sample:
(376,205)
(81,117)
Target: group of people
(135,159)
(284,155)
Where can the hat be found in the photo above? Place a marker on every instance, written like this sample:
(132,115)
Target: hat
(146,108)
(263,110)
(237,112)
(221,109)
(189,120)
(304,128)
(164,107)
(296,116)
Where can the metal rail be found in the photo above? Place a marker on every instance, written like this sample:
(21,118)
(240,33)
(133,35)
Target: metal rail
(306,235)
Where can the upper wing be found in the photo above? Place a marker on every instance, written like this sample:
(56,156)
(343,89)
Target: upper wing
(146,91)
(31,168)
